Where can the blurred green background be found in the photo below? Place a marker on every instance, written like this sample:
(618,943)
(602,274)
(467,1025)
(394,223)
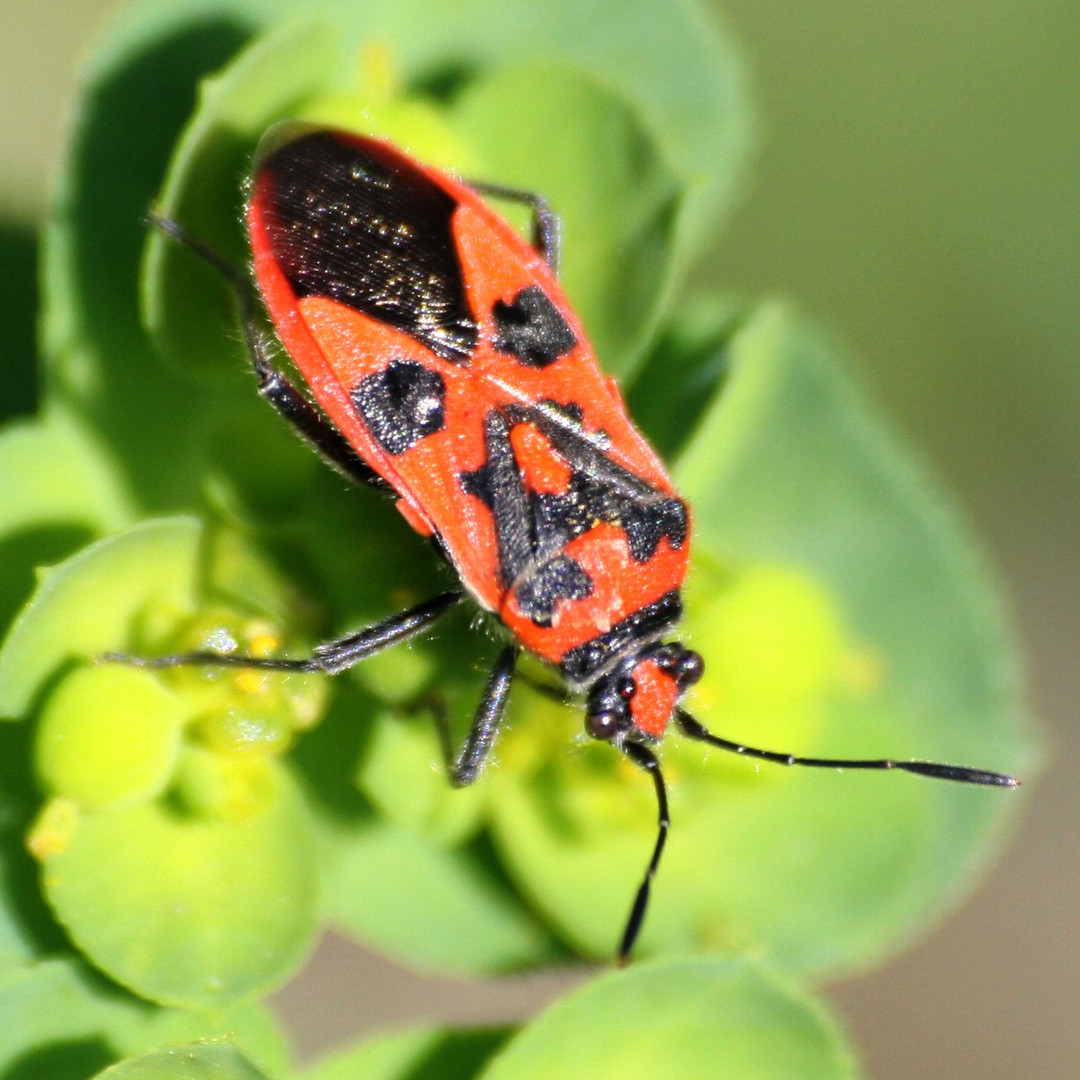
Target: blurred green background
(918,190)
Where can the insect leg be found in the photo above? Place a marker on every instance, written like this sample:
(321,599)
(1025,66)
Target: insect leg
(643,757)
(328,658)
(486,723)
(284,396)
(546,226)
(961,773)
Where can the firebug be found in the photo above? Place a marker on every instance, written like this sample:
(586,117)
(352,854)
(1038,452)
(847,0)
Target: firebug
(442,364)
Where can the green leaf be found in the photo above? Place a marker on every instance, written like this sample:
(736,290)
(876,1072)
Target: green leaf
(57,490)
(685,371)
(792,466)
(419,1052)
(167,798)
(403,894)
(27,930)
(194,1062)
(58,1020)
(671,60)
(651,1020)
(214,909)
(692,1019)
(404,777)
(94,753)
(98,360)
(153,564)
(51,472)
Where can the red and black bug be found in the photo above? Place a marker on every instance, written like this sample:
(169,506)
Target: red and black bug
(442,364)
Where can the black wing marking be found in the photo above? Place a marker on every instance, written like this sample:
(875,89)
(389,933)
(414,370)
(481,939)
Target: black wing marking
(358,222)
(539,575)
(531,329)
(532,528)
(401,404)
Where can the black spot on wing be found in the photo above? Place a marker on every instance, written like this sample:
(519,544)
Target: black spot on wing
(402,404)
(561,578)
(647,521)
(360,223)
(587,502)
(531,329)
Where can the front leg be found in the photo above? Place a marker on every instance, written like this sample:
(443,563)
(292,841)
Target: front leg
(328,658)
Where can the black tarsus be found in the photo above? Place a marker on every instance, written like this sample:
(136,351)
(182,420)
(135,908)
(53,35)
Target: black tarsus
(645,759)
(329,658)
(960,773)
(546,226)
(289,401)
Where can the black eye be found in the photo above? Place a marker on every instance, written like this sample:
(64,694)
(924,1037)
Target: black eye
(691,668)
(602,725)
(626,688)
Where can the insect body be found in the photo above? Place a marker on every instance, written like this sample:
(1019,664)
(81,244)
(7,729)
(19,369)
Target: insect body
(448,369)
(441,347)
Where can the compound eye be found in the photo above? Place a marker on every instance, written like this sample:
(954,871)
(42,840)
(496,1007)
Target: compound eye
(691,668)
(602,725)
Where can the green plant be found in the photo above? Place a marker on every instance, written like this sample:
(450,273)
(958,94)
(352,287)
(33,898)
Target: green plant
(189,832)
